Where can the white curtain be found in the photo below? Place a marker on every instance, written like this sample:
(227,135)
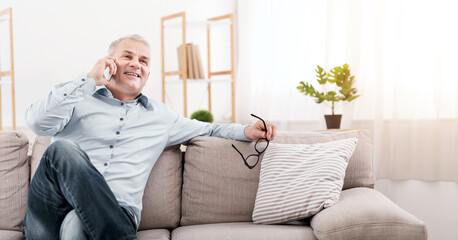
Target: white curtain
(403,53)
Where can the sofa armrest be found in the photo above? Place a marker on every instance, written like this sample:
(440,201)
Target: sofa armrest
(364,213)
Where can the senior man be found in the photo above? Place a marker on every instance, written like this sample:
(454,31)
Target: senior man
(106,138)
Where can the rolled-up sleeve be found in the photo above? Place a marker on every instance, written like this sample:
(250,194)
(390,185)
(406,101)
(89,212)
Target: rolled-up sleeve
(50,114)
(184,129)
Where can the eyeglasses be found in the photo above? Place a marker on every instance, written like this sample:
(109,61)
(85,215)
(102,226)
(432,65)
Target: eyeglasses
(258,147)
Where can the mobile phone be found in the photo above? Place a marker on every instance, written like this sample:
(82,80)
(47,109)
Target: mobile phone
(107,74)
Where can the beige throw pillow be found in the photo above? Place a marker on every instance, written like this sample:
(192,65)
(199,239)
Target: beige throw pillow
(298,180)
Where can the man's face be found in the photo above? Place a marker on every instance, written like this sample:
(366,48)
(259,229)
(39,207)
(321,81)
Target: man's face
(133,68)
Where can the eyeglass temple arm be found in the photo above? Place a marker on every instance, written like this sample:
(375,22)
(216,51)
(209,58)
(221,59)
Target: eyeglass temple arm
(244,161)
(238,151)
(265,127)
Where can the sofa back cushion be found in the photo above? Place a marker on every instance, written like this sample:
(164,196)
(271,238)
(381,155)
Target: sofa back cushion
(162,197)
(14,179)
(218,187)
(38,148)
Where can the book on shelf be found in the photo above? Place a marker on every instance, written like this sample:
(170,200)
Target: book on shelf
(190,61)
(195,64)
(181,60)
(193,61)
(200,68)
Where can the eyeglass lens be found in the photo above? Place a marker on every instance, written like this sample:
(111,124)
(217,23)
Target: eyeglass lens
(260,146)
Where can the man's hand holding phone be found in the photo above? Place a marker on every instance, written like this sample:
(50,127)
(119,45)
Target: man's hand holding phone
(98,71)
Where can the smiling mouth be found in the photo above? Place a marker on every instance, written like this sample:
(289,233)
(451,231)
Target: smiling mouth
(133,74)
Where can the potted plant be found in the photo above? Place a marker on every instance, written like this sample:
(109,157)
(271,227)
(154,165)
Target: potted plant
(341,81)
(202,115)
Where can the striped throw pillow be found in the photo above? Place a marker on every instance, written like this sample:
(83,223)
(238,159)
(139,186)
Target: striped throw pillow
(298,180)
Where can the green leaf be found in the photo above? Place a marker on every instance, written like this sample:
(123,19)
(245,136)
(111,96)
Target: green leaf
(340,77)
(321,75)
(352,98)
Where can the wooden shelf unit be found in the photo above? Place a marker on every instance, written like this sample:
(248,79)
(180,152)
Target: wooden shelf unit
(7,15)
(183,71)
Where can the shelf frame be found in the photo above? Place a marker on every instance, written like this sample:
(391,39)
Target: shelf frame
(7,14)
(230,71)
(211,22)
(183,71)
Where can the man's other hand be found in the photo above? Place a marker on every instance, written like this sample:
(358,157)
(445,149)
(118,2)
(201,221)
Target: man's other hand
(257,131)
(97,72)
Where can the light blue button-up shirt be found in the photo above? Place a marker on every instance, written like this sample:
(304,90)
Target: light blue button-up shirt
(122,139)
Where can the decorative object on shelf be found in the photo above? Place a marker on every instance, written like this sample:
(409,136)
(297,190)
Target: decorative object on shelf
(342,81)
(202,115)
(194,68)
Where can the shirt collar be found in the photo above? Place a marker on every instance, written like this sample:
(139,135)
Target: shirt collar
(102,90)
(143,100)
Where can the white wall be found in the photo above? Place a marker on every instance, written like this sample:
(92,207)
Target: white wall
(432,202)
(56,40)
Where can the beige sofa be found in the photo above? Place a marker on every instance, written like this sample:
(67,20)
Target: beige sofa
(208,193)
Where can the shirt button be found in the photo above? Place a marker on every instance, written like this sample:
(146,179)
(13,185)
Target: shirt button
(117,132)
(83,79)
(122,104)
(65,94)
(111,146)
(105,164)
(122,119)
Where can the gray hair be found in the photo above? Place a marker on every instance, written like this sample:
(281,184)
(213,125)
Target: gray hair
(135,37)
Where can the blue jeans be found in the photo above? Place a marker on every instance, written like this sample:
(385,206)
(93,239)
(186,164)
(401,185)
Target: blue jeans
(66,180)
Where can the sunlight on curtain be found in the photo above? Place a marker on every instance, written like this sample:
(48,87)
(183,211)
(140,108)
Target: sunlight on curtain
(402,52)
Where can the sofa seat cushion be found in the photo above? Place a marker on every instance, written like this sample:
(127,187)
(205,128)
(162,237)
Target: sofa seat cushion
(364,213)
(14,179)
(243,231)
(154,234)
(10,235)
